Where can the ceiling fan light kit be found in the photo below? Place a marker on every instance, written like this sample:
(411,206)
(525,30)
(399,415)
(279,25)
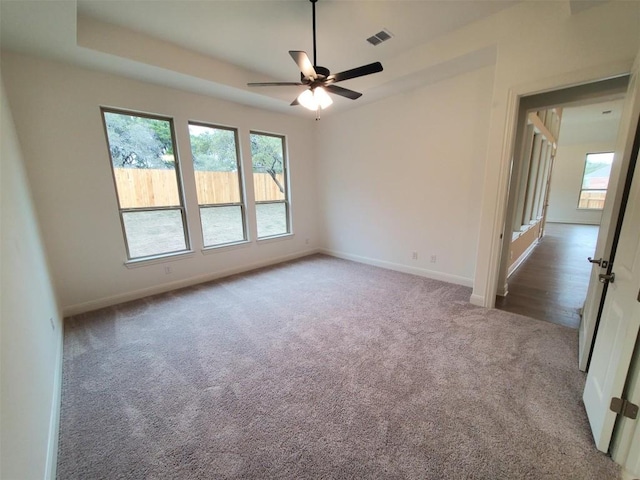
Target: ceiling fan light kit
(319,79)
(315,99)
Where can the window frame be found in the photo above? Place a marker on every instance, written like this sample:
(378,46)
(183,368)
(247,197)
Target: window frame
(584,171)
(285,176)
(243,200)
(179,182)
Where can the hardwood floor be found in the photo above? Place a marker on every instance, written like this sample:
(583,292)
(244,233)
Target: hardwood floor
(552,282)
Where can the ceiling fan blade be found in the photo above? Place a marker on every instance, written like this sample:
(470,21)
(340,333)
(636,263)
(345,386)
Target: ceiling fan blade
(344,92)
(304,64)
(273,84)
(356,72)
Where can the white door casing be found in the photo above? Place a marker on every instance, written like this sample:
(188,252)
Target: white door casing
(620,320)
(606,233)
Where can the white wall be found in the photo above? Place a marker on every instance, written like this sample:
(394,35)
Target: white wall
(31,338)
(404,174)
(56,109)
(566,181)
(540,46)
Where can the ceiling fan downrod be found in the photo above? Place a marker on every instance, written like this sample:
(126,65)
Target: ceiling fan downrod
(313,9)
(321,72)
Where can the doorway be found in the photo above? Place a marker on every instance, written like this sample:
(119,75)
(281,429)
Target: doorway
(547,272)
(538,193)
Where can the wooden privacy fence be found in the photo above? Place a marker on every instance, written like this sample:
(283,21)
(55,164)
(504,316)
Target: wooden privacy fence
(140,188)
(265,188)
(593,200)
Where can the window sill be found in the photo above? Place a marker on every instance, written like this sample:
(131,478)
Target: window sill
(275,238)
(589,209)
(226,247)
(169,257)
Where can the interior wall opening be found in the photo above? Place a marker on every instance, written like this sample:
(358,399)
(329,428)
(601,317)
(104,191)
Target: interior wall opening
(548,232)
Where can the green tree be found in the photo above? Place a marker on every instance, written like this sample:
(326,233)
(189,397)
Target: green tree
(162,131)
(213,149)
(139,142)
(267,156)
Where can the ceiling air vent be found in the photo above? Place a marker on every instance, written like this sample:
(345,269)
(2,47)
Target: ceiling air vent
(378,38)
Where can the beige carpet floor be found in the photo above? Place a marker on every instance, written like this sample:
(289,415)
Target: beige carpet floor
(322,369)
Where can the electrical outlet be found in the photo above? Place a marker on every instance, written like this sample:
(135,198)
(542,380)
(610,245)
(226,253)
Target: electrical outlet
(168,270)
(414,255)
(434,258)
(306,241)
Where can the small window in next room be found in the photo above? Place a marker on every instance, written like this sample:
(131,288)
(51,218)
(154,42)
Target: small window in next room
(146,175)
(270,184)
(595,181)
(218,184)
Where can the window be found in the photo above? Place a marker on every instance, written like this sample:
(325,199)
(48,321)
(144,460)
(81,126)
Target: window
(270,184)
(146,176)
(595,180)
(538,156)
(218,184)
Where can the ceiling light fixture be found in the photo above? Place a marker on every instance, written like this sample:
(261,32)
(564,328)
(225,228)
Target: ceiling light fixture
(320,82)
(315,99)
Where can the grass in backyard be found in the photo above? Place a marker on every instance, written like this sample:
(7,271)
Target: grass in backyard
(161,231)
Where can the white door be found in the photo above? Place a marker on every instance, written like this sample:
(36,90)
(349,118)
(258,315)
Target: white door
(626,133)
(619,323)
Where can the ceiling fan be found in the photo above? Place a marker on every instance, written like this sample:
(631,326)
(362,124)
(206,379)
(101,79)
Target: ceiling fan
(319,79)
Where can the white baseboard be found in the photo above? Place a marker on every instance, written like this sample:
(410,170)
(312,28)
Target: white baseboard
(54,420)
(422,272)
(514,266)
(187,282)
(573,221)
(477,300)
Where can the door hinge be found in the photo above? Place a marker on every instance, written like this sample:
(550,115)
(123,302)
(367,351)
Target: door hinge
(624,408)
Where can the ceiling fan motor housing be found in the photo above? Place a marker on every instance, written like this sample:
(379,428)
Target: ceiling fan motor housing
(322,73)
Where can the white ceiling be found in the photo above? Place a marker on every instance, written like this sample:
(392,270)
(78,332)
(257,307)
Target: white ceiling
(216,47)
(257,35)
(588,123)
